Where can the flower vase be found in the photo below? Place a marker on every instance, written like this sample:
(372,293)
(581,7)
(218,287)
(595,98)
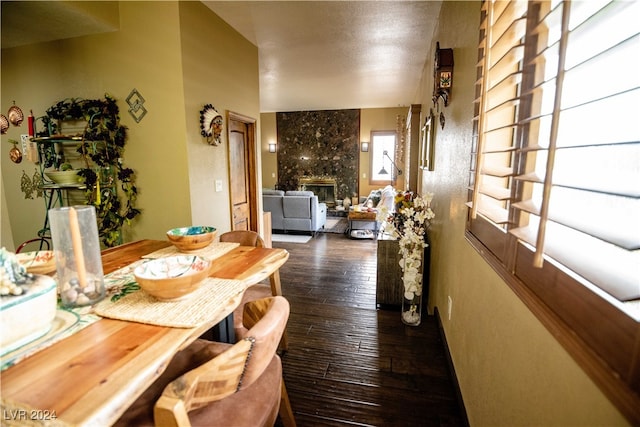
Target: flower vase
(412,286)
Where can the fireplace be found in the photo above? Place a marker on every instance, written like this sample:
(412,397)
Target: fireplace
(324,188)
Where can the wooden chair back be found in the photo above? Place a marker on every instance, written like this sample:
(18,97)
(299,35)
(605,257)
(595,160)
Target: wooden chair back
(244,237)
(229,372)
(43,244)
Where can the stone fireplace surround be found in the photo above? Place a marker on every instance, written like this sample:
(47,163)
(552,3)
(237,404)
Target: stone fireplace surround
(316,146)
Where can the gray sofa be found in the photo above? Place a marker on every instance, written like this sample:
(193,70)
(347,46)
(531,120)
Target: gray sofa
(294,210)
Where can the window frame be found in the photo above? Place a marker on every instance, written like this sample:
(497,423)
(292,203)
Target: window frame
(592,327)
(374,152)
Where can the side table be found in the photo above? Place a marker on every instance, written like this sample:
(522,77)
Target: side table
(363,216)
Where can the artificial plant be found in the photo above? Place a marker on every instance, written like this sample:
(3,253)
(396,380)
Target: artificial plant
(102,149)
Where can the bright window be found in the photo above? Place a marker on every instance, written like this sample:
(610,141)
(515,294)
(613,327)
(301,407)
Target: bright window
(383,142)
(555,196)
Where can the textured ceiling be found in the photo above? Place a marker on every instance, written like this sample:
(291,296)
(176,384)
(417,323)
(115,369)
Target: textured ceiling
(335,54)
(313,55)
(27,22)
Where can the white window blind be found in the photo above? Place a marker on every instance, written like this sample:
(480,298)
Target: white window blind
(557,138)
(554,190)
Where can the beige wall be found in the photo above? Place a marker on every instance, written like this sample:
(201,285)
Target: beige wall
(220,67)
(164,50)
(370,119)
(373,119)
(512,372)
(269,160)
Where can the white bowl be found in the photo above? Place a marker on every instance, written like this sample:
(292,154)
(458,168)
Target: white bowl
(172,278)
(29,316)
(64,177)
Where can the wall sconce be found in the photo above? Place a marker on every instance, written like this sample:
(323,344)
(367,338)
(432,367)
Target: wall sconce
(364,146)
(442,75)
(383,171)
(272,148)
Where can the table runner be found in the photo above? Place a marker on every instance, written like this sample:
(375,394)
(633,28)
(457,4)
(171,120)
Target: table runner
(193,311)
(211,252)
(125,302)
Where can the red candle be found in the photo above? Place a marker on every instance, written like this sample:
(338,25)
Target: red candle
(31,129)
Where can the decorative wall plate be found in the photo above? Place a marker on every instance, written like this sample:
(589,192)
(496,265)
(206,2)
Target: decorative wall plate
(4,124)
(15,115)
(211,125)
(15,154)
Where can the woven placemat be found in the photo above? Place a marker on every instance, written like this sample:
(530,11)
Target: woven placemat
(196,309)
(211,252)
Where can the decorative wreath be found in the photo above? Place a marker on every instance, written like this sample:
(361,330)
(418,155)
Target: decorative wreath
(211,124)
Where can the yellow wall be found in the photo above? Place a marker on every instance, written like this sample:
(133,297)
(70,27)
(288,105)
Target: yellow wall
(377,119)
(269,160)
(370,119)
(220,67)
(165,51)
(512,372)
(510,368)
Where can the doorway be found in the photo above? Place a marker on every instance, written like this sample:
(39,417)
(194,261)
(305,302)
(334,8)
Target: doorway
(243,184)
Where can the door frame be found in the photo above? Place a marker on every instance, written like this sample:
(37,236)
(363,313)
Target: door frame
(252,163)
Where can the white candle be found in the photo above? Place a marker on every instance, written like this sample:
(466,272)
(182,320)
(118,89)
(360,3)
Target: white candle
(76,241)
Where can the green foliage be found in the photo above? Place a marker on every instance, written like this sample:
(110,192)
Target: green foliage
(125,290)
(102,148)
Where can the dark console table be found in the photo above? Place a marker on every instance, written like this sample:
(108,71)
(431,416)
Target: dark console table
(389,274)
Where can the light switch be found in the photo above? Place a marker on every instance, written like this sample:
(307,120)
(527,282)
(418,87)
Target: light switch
(218,185)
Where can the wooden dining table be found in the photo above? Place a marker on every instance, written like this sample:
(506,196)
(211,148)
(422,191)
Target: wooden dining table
(90,378)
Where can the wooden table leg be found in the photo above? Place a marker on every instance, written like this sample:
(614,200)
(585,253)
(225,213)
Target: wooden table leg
(276,289)
(274,281)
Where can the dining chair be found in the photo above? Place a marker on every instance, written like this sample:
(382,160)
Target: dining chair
(44,243)
(254,292)
(244,237)
(217,384)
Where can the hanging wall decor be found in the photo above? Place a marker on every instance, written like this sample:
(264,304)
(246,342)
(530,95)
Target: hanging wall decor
(4,124)
(442,74)
(442,79)
(211,125)
(136,105)
(15,154)
(15,114)
(427,147)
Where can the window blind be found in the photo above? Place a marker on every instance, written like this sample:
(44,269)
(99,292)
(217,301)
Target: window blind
(558,135)
(554,185)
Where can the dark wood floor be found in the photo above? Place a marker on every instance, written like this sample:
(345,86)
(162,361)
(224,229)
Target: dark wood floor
(349,363)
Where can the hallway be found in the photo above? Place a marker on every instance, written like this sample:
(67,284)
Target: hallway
(348,363)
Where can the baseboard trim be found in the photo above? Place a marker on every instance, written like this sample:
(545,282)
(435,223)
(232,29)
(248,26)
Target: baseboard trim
(456,385)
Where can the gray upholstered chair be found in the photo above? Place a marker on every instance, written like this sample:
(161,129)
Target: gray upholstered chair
(294,210)
(303,212)
(272,202)
(215,384)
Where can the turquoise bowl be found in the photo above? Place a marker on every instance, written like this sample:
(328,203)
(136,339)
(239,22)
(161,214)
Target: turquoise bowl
(189,239)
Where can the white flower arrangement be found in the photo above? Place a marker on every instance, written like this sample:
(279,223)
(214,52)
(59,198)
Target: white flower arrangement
(409,224)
